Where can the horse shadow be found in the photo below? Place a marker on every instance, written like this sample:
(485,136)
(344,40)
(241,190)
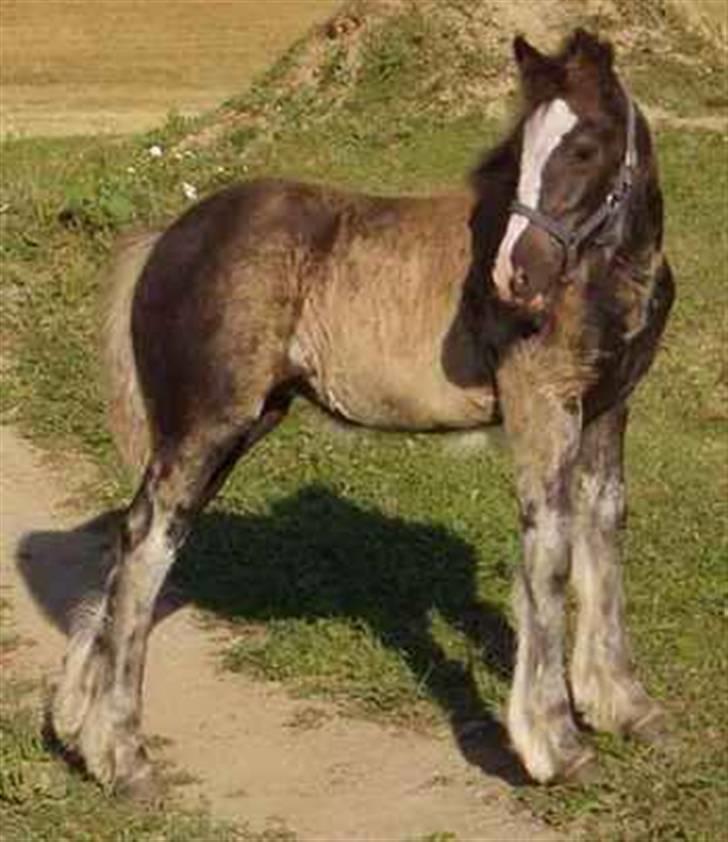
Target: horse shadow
(316,555)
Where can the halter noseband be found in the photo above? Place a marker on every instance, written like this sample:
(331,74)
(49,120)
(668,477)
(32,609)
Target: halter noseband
(610,210)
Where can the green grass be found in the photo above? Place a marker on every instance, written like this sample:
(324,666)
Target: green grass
(376,569)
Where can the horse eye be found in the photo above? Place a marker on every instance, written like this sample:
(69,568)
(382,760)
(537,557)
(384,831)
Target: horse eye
(583,154)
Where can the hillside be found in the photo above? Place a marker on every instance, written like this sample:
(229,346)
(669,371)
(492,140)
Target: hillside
(442,60)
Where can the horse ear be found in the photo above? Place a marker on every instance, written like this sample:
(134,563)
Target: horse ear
(586,48)
(526,56)
(541,75)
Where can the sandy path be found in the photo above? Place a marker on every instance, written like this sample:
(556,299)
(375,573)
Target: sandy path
(253,753)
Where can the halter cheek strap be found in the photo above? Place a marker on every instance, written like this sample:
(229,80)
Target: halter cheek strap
(607,216)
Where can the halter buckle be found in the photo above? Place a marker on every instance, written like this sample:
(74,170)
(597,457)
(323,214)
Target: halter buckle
(614,198)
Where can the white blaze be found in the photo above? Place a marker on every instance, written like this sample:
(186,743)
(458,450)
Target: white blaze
(542,134)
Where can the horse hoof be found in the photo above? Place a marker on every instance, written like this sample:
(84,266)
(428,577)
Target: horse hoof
(582,770)
(142,787)
(651,727)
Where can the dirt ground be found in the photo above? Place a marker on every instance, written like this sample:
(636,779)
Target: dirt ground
(110,66)
(246,749)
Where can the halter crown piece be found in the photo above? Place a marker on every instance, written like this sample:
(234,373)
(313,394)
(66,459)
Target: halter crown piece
(610,211)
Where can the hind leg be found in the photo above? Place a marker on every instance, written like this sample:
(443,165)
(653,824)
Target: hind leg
(97,706)
(604,686)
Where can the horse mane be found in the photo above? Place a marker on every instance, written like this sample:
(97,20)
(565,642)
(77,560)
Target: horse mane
(494,181)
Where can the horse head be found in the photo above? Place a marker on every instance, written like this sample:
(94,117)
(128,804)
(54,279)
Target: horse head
(580,159)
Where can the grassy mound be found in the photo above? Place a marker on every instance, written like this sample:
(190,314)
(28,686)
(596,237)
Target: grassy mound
(376,569)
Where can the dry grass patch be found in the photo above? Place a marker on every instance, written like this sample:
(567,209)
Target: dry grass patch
(83,66)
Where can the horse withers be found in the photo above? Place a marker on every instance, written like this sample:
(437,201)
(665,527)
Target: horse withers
(535,300)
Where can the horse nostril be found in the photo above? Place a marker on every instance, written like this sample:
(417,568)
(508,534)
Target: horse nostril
(519,282)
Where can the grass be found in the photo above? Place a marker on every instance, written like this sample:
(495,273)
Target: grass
(376,569)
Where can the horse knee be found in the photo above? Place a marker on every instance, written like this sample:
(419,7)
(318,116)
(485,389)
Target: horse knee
(600,503)
(137,519)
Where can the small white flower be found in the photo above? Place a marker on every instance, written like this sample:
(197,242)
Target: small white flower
(155,151)
(219,169)
(189,190)
(177,156)
(131,170)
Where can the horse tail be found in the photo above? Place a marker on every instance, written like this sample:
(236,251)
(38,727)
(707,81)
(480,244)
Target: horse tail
(127,415)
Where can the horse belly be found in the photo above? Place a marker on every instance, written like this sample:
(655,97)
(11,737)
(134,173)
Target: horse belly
(417,399)
(355,370)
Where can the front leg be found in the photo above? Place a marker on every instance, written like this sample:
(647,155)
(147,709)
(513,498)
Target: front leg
(543,424)
(603,683)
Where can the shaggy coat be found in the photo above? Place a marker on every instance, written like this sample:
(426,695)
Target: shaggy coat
(413,313)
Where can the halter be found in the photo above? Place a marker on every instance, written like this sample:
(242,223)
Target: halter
(608,214)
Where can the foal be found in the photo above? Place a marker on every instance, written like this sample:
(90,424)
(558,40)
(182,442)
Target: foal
(537,300)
